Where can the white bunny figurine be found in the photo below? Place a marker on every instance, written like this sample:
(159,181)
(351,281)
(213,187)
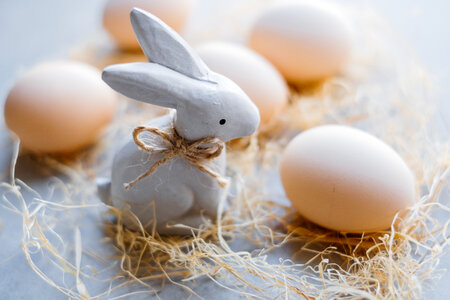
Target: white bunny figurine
(209,107)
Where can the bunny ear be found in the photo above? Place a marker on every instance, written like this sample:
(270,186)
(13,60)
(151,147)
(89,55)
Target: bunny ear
(162,45)
(152,83)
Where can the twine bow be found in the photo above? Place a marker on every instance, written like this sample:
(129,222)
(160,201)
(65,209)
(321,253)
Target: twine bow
(207,148)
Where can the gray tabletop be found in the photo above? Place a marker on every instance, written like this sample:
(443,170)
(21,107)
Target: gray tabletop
(31,31)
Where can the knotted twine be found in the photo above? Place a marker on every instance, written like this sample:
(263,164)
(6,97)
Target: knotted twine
(194,152)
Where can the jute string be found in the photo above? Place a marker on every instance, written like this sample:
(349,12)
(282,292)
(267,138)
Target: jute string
(195,152)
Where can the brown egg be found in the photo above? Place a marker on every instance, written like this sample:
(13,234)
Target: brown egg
(59,106)
(252,72)
(306,40)
(116,17)
(345,179)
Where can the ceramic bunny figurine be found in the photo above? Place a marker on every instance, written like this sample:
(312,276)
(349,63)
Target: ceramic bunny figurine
(207,105)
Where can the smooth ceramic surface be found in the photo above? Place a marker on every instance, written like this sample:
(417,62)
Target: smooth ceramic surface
(206,105)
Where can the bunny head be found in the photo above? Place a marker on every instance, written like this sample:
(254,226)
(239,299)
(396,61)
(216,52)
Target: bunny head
(207,104)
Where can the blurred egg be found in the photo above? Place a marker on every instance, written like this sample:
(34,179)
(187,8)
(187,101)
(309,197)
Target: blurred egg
(59,106)
(345,179)
(116,17)
(305,40)
(252,72)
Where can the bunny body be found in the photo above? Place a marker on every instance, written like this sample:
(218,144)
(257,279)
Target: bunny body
(188,198)
(207,105)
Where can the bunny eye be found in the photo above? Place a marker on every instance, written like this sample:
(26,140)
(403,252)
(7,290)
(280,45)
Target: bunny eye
(222,121)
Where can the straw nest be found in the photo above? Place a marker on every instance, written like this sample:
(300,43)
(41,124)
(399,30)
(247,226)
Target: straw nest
(259,247)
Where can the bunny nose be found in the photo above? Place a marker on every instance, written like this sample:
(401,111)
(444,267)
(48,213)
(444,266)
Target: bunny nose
(253,120)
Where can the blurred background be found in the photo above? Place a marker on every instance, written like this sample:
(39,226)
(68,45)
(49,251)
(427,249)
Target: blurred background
(32,31)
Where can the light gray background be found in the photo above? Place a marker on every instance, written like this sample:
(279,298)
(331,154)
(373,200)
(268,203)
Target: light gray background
(32,30)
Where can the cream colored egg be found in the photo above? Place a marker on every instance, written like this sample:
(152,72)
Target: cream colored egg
(116,17)
(345,179)
(59,106)
(252,72)
(305,40)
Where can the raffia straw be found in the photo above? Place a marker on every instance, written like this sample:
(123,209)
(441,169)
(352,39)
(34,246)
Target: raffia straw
(148,257)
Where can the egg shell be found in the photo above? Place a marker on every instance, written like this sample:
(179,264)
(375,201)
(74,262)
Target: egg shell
(306,40)
(116,17)
(345,179)
(253,73)
(59,106)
